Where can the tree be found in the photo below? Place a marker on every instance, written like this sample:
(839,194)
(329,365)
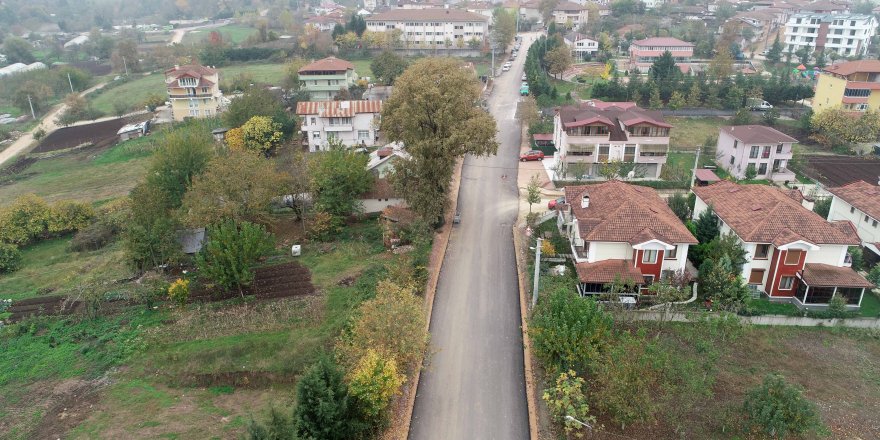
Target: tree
(32,93)
(654,100)
(387,66)
(778,409)
(528,111)
(707,226)
(664,68)
(821,61)
(558,60)
(751,172)
(694,95)
(338,177)
(434,112)
(677,100)
(154,101)
(774,55)
(770,117)
(504,23)
(569,332)
(347,41)
(568,399)
(742,117)
(238,186)
(721,67)
(322,410)
(261,134)
(533,192)
(257,101)
(720,283)
(125,57)
(835,127)
(372,384)
(231,251)
(75,108)
(803,55)
(17,51)
(678,203)
(734,98)
(182,154)
(822,206)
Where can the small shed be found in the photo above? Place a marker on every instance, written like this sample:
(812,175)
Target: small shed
(219,134)
(543,139)
(705,177)
(133,131)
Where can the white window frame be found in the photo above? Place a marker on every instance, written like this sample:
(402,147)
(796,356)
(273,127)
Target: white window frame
(790,282)
(647,252)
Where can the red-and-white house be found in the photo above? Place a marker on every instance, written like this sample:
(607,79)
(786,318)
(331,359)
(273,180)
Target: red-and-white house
(622,232)
(793,254)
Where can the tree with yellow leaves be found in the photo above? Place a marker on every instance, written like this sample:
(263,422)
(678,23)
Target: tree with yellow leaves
(372,383)
(259,134)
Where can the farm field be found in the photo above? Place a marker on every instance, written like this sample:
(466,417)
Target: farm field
(100,134)
(833,170)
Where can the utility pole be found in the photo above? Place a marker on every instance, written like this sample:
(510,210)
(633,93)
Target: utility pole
(69,81)
(537,271)
(493,60)
(696,164)
(125,64)
(34,115)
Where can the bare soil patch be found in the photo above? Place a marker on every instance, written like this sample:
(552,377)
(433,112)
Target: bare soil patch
(841,170)
(100,134)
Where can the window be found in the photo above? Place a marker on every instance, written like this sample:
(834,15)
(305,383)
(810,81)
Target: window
(649,257)
(866,218)
(204,90)
(193,112)
(184,82)
(766,153)
(753,154)
(314,120)
(762,169)
(792,258)
(735,143)
(363,135)
(732,159)
(649,279)
(874,223)
(671,255)
(756,276)
(603,152)
(852,209)
(778,148)
(762,251)
(785,283)
(316,135)
(629,153)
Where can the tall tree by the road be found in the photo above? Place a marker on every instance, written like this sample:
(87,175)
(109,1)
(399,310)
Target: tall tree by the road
(434,112)
(505,27)
(533,192)
(338,177)
(17,51)
(387,66)
(125,57)
(558,60)
(721,67)
(774,55)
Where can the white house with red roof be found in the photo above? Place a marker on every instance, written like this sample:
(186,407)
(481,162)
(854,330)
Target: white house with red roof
(324,78)
(594,133)
(764,149)
(193,91)
(859,203)
(643,53)
(622,232)
(792,253)
(355,123)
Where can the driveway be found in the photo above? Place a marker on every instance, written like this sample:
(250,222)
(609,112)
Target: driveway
(473,385)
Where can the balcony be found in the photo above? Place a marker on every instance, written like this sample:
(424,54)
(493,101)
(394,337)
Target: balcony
(338,127)
(781,175)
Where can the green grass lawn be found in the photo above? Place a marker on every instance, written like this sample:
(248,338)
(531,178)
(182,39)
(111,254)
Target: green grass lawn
(689,133)
(870,305)
(362,67)
(232,33)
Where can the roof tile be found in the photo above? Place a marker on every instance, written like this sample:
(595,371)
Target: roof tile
(609,271)
(864,196)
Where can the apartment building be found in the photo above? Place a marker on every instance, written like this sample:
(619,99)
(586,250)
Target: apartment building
(570,14)
(792,253)
(622,232)
(433,28)
(764,149)
(853,86)
(593,133)
(193,91)
(859,203)
(846,34)
(355,123)
(643,53)
(322,79)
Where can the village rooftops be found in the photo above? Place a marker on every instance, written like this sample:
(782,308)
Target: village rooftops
(614,115)
(757,134)
(851,67)
(764,214)
(662,41)
(862,195)
(619,212)
(329,64)
(431,14)
(337,109)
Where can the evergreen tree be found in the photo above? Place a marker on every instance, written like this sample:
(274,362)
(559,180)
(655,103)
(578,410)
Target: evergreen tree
(774,55)
(654,100)
(322,409)
(694,95)
(707,226)
(734,98)
(664,68)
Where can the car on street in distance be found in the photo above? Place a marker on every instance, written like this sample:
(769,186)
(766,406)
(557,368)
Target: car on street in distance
(524,77)
(505,68)
(532,155)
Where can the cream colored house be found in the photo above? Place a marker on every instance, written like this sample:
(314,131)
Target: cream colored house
(193,91)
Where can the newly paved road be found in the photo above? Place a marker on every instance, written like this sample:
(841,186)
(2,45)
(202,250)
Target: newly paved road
(473,386)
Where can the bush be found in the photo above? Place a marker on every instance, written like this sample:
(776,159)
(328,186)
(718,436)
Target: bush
(232,249)
(30,218)
(322,409)
(372,384)
(10,258)
(874,275)
(277,428)
(567,398)
(777,409)
(822,206)
(178,291)
(92,237)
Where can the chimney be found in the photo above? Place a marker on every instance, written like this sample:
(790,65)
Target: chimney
(585,201)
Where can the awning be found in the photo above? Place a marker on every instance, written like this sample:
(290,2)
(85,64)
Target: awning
(608,271)
(826,275)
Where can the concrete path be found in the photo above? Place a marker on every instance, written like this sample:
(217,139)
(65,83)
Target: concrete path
(473,385)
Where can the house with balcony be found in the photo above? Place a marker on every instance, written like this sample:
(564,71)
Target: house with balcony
(643,53)
(570,14)
(846,34)
(593,133)
(193,91)
(859,203)
(764,149)
(354,123)
(432,28)
(582,47)
(793,255)
(853,86)
(324,78)
(622,232)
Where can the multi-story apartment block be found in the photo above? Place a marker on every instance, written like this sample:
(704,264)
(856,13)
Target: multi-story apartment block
(594,133)
(622,232)
(193,91)
(643,53)
(845,34)
(792,253)
(853,86)
(764,149)
(859,203)
(570,14)
(433,28)
(323,78)
(355,123)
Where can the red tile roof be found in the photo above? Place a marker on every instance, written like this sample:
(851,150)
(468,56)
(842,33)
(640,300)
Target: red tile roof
(432,14)
(381,189)
(826,275)
(608,113)
(329,64)
(757,134)
(864,196)
(705,175)
(608,271)
(193,70)
(620,212)
(850,67)
(764,214)
(661,41)
(338,109)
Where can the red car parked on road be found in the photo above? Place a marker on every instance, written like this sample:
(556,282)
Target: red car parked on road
(532,155)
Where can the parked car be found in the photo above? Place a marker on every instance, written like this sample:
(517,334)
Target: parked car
(552,204)
(532,155)
(759,105)
(524,77)
(505,68)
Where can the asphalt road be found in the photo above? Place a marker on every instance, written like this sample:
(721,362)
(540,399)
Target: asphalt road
(473,385)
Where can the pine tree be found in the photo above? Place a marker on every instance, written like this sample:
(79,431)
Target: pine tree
(654,100)
(774,55)
(707,226)
(322,409)
(677,100)
(694,95)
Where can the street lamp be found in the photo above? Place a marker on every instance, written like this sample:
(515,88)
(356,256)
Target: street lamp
(578,422)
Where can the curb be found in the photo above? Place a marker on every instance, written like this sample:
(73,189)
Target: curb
(435,265)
